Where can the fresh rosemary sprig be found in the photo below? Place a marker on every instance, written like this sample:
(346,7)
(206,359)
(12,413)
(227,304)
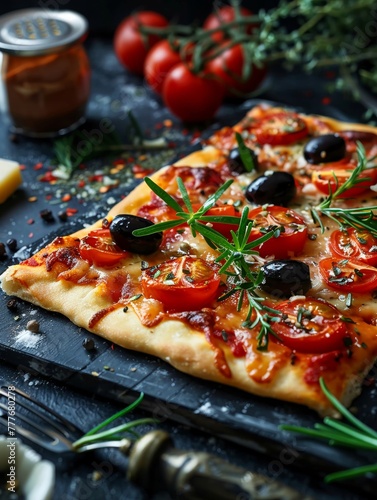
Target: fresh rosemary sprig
(355,434)
(240,278)
(358,218)
(94,436)
(79,146)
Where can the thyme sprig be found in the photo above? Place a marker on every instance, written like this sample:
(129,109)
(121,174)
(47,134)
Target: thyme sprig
(116,433)
(233,255)
(354,434)
(360,218)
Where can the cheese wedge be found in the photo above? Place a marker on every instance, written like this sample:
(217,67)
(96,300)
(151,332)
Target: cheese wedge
(10,178)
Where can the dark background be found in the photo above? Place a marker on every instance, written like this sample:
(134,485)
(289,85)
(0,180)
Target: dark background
(105,15)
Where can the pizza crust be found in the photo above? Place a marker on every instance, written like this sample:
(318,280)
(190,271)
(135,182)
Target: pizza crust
(174,341)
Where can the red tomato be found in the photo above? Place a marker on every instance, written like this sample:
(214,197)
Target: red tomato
(280,129)
(293,231)
(182,284)
(228,67)
(354,244)
(191,97)
(348,275)
(324,178)
(221,227)
(131,47)
(98,248)
(160,60)
(310,325)
(223,15)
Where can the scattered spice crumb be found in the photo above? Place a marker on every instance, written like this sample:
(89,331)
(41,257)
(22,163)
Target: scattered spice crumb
(32,199)
(95,374)
(47,215)
(96,476)
(33,326)
(12,304)
(88,344)
(12,244)
(133,369)
(3,251)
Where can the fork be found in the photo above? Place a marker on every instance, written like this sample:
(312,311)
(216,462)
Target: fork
(153,463)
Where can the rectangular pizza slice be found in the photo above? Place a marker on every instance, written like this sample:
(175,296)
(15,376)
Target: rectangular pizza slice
(253,263)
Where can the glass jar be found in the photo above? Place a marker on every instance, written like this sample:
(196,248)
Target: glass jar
(45,70)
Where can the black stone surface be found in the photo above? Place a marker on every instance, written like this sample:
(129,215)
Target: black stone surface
(239,427)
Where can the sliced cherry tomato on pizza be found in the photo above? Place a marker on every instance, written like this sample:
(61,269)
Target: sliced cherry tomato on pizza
(336,174)
(348,275)
(310,325)
(98,248)
(354,244)
(182,284)
(280,129)
(290,228)
(221,227)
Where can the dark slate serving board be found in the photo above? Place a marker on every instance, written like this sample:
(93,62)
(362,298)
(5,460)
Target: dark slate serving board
(118,374)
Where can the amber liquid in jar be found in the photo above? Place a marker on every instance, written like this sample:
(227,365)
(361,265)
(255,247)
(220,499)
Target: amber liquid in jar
(47,94)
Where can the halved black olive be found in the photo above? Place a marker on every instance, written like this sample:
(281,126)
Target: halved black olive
(325,149)
(278,188)
(235,162)
(121,229)
(285,278)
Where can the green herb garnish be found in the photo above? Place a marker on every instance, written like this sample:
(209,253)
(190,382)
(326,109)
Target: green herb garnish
(358,218)
(354,434)
(245,153)
(94,435)
(232,254)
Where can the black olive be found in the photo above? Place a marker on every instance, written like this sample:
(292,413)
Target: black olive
(277,188)
(12,244)
(121,229)
(284,278)
(325,149)
(235,162)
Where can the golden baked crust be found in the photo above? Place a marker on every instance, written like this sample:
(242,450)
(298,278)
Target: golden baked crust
(273,374)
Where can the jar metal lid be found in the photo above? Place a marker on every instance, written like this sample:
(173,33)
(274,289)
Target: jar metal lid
(33,32)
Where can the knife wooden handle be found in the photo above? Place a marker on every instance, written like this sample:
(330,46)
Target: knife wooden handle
(191,475)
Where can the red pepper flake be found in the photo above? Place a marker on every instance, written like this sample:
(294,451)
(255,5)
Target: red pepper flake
(158,126)
(185,131)
(38,166)
(82,166)
(81,184)
(326,101)
(96,178)
(119,161)
(71,211)
(112,347)
(141,172)
(22,167)
(171,145)
(196,134)
(131,159)
(31,235)
(66,197)
(48,197)
(330,75)
(48,177)
(30,221)
(168,123)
